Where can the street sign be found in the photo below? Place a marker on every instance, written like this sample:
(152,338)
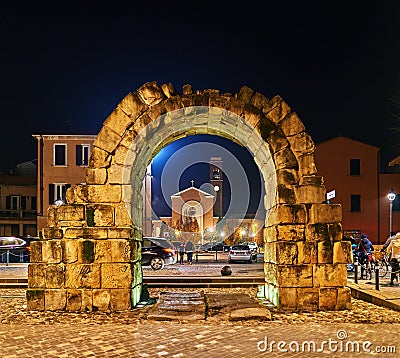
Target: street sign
(331,194)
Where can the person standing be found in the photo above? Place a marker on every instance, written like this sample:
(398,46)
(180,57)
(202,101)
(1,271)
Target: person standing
(392,236)
(394,250)
(364,248)
(189,248)
(181,249)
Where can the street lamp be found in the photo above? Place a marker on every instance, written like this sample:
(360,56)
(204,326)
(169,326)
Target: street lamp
(391,196)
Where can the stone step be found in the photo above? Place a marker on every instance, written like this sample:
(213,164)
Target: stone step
(203,281)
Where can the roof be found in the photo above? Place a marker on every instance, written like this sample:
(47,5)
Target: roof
(192,188)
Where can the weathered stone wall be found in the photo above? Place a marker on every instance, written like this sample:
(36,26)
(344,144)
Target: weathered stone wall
(89,256)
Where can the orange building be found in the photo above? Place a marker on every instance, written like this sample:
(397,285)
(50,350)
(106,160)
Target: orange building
(62,160)
(352,170)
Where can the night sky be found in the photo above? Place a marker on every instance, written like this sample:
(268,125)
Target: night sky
(65,70)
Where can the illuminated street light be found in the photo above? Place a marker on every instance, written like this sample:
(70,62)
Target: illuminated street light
(391,196)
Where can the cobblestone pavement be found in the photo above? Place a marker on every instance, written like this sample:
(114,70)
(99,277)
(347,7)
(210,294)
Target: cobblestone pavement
(26,333)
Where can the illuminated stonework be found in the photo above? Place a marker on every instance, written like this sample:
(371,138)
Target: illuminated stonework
(89,255)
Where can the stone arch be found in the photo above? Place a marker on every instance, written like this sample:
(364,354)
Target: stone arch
(90,251)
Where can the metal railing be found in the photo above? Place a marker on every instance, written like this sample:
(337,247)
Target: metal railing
(5,256)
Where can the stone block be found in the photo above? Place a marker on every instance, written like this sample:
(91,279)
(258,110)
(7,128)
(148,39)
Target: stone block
(104,193)
(278,112)
(288,299)
(286,253)
(277,141)
(327,299)
(55,300)
(306,165)
(291,125)
(286,194)
(150,93)
(86,251)
(70,212)
(325,252)
(82,276)
(52,216)
(287,214)
(55,276)
(101,300)
(107,139)
(36,251)
(103,214)
(312,180)
(302,143)
(325,213)
(86,233)
(87,300)
(103,251)
(342,252)
(120,233)
(122,216)
(96,176)
(295,275)
(343,299)
(287,176)
(52,251)
(309,194)
(37,275)
(74,300)
(307,252)
(69,250)
(118,120)
(328,275)
(290,232)
(77,194)
(116,275)
(35,299)
(99,158)
(120,300)
(120,251)
(270,252)
(285,159)
(307,299)
(132,105)
(52,233)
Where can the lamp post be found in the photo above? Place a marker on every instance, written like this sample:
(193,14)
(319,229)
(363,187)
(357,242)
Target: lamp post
(391,196)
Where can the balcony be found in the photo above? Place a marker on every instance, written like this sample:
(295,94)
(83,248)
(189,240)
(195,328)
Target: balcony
(18,214)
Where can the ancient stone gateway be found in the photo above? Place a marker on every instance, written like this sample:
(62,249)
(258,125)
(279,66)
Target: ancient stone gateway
(88,257)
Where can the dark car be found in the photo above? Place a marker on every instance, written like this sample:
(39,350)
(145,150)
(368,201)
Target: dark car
(157,252)
(15,249)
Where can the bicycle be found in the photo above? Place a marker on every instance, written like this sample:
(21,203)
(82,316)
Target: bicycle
(384,265)
(367,267)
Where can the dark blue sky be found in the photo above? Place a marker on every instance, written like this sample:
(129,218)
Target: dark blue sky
(196,167)
(65,70)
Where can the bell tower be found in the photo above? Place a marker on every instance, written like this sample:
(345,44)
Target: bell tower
(216,182)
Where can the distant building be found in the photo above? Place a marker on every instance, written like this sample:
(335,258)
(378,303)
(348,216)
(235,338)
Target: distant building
(18,205)
(352,169)
(62,160)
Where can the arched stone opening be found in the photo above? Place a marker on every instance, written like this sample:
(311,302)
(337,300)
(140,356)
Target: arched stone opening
(89,255)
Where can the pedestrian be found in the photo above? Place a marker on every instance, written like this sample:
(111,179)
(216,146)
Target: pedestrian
(388,241)
(189,248)
(394,250)
(181,249)
(364,249)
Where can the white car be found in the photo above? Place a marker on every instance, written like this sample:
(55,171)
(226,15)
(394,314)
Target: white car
(241,253)
(252,245)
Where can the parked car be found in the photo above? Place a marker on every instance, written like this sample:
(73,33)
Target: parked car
(157,252)
(16,248)
(253,245)
(241,253)
(214,246)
